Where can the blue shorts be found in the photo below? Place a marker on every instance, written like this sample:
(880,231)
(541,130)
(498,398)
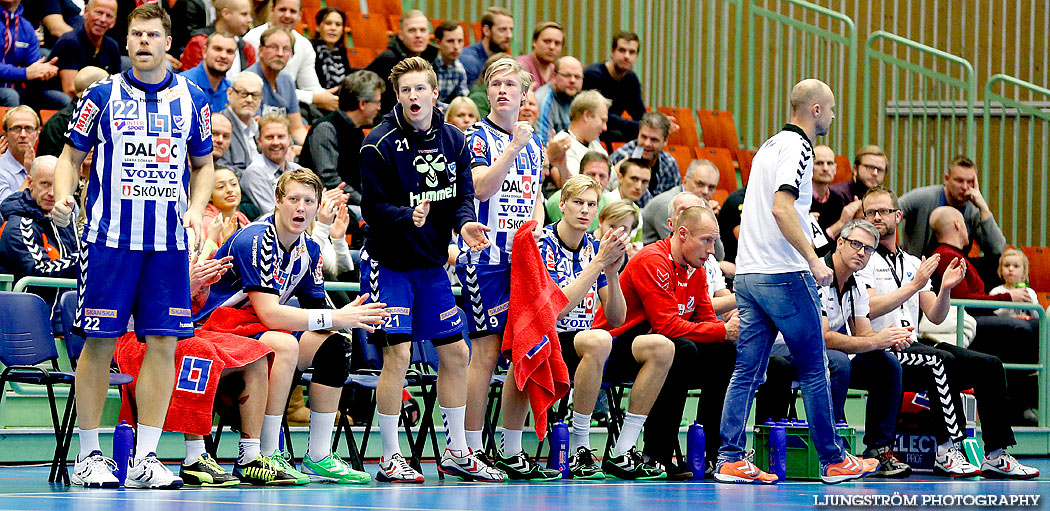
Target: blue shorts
(420,301)
(487,290)
(116,284)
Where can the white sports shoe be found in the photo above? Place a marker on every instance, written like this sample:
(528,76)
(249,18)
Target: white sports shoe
(954,464)
(470,465)
(95,471)
(397,470)
(151,473)
(1006,466)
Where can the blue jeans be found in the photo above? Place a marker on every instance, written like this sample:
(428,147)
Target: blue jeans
(768,304)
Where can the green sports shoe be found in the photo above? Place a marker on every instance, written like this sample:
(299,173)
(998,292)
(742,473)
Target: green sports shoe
(280,461)
(333,469)
(521,467)
(584,465)
(206,472)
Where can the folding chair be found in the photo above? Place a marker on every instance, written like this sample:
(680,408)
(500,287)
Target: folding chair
(368,30)
(686,134)
(843,170)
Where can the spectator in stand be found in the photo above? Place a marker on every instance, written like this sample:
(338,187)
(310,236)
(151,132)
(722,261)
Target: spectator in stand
(260,178)
(700,179)
(221,216)
(53,134)
(74,49)
(589,112)
(961,192)
(31,245)
(20,64)
(210,75)
(479,93)
(221,132)
(234,17)
(1013,270)
(462,113)
(452,77)
(594,164)
(869,170)
(547,41)
(332,64)
(729,223)
(278,92)
(555,98)
(497,31)
(21,131)
(653,130)
(619,213)
(245,94)
(530,111)
(300,67)
(199,14)
(634,182)
(54,18)
(333,146)
(411,40)
(832,210)
(616,80)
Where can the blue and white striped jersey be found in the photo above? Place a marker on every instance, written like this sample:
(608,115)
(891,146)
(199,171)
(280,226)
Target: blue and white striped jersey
(143,135)
(565,265)
(513,205)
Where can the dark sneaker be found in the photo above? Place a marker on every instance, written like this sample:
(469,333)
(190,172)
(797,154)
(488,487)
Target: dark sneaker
(206,472)
(521,467)
(584,465)
(631,465)
(889,465)
(262,472)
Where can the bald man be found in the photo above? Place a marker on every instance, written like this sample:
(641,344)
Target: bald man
(53,134)
(221,133)
(555,97)
(777,276)
(701,179)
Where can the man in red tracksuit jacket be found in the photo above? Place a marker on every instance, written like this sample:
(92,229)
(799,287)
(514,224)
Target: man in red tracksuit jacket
(665,287)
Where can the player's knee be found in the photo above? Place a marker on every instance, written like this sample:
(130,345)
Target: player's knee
(332,361)
(285,347)
(656,349)
(593,343)
(454,354)
(397,356)
(485,351)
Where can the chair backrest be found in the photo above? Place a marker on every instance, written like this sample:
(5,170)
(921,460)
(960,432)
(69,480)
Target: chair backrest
(686,134)
(67,305)
(682,154)
(843,169)
(372,357)
(25,330)
(718,129)
(1038,267)
(360,56)
(744,156)
(723,159)
(368,30)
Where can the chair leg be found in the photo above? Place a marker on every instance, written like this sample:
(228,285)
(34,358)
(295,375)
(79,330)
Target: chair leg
(59,470)
(427,426)
(368,426)
(211,442)
(615,419)
(59,430)
(413,459)
(351,442)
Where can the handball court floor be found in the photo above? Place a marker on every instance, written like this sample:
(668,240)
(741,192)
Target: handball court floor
(26,488)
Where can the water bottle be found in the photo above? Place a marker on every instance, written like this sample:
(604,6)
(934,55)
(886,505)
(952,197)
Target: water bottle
(694,446)
(778,452)
(559,456)
(123,443)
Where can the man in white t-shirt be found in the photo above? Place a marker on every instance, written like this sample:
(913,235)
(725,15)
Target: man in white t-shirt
(588,113)
(898,285)
(776,290)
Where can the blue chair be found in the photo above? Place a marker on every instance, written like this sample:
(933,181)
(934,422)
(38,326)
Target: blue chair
(26,342)
(67,307)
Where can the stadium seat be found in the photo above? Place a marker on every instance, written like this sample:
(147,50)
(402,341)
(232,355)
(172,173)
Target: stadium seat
(368,30)
(45,115)
(723,159)
(360,56)
(394,22)
(682,154)
(719,130)
(720,196)
(744,157)
(1038,267)
(615,146)
(348,6)
(843,170)
(308,18)
(384,7)
(477,30)
(686,134)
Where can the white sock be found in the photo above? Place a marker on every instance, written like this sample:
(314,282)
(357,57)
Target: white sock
(321,427)
(455,438)
(942,450)
(581,431)
(88,442)
(511,442)
(271,434)
(194,450)
(388,432)
(146,440)
(994,454)
(248,449)
(632,427)
(474,440)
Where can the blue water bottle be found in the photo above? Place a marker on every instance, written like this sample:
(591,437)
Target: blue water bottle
(778,452)
(559,440)
(123,443)
(694,447)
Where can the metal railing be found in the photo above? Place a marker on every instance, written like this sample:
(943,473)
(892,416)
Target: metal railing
(1020,151)
(919,97)
(1043,367)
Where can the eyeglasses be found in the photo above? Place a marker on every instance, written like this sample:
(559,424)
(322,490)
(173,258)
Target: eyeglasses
(246,94)
(860,246)
(870,213)
(877,170)
(278,49)
(22,129)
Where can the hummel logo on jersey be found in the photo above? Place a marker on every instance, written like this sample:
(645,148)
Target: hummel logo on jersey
(429,165)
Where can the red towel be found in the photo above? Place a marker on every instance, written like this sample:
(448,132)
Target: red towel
(199,362)
(530,335)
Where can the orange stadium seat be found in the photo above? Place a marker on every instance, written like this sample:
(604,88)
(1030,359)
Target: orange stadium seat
(723,159)
(1038,267)
(348,6)
(477,30)
(686,134)
(361,56)
(308,22)
(719,130)
(682,154)
(45,115)
(843,170)
(384,7)
(720,196)
(744,157)
(368,30)
(394,22)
